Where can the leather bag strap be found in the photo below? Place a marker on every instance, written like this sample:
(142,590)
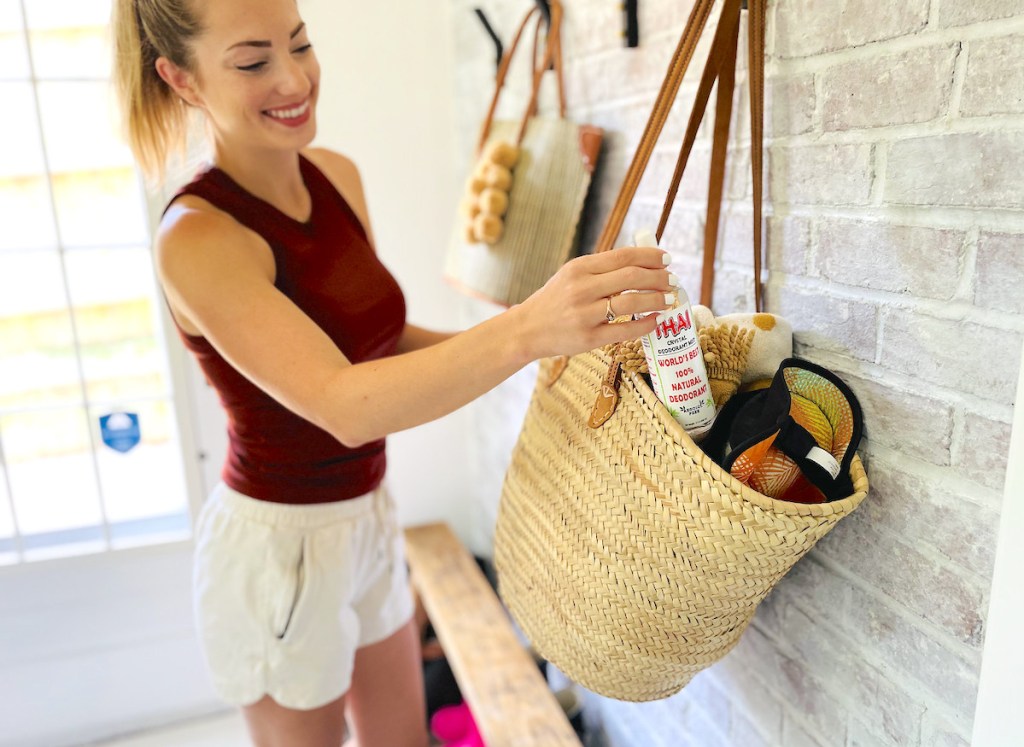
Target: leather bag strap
(552,59)
(721,66)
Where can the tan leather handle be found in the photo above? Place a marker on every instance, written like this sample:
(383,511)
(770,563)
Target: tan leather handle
(552,58)
(721,66)
(666,96)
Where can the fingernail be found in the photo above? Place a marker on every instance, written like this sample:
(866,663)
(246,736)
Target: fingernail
(673,280)
(666,259)
(670,299)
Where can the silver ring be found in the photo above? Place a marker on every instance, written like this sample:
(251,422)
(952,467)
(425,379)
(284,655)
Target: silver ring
(608,313)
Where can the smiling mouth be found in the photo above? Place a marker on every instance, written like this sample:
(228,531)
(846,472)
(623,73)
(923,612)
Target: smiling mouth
(291,113)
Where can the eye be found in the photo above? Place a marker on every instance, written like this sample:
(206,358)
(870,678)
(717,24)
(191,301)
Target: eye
(253,68)
(303,49)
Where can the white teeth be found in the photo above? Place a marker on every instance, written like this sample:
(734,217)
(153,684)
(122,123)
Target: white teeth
(298,111)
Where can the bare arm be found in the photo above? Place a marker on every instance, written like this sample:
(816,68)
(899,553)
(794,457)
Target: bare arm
(416,338)
(209,269)
(219,277)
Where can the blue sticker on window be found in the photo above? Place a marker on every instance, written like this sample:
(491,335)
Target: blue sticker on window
(120,431)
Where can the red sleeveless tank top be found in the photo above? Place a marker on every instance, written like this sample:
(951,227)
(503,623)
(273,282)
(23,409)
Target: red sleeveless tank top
(327,267)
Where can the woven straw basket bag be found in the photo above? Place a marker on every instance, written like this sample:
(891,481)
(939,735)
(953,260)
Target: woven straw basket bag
(629,558)
(550,183)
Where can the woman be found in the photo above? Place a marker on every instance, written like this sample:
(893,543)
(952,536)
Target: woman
(266,260)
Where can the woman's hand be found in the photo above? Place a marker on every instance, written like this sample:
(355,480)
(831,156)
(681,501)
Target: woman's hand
(569,314)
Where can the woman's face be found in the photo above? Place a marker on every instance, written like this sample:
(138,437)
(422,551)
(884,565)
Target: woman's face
(256,75)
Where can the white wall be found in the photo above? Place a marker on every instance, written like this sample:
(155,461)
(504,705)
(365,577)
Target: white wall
(1002,668)
(387,102)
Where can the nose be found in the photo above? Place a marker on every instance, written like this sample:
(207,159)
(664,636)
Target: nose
(293,79)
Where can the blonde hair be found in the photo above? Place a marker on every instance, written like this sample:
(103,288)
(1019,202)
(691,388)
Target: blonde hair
(155,117)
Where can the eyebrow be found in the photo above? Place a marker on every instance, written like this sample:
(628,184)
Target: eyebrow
(265,43)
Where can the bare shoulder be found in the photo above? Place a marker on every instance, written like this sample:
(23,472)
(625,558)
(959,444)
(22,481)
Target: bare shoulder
(344,175)
(194,235)
(197,248)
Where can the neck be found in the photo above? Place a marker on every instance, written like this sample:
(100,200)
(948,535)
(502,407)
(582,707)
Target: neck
(273,176)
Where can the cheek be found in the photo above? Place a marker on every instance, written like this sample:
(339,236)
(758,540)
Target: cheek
(313,70)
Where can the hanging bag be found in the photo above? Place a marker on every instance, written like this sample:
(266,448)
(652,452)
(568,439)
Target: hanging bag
(549,184)
(629,558)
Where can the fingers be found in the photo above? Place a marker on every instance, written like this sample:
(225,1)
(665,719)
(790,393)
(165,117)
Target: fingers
(655,259)
(634,278)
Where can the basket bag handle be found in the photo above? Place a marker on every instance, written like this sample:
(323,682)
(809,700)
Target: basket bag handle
(552,60)
(721,65)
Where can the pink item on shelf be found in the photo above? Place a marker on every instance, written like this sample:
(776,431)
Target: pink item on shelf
(455,726)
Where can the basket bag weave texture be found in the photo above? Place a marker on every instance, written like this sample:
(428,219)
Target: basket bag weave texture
(550,183)
(628,557)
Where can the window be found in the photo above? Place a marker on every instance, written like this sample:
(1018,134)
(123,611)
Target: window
(90,456)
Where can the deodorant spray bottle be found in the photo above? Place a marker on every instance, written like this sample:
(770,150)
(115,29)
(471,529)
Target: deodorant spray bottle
(676,363)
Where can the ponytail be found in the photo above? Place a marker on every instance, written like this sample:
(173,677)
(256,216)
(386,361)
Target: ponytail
(155,118)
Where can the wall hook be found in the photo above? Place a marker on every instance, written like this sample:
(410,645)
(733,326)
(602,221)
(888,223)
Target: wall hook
(545,9)
(632,32)
(490,32)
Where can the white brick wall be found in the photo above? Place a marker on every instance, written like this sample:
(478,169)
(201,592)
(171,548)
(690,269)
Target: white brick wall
(895,241)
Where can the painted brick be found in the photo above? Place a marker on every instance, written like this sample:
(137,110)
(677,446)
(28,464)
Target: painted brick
(835,174)
(812,586)
(624,72)
(894,714)
(909,648)
(983,451)
(735,241)
(999,281)
(906,422)
(586,33)
(889,711)
(789,107)
(806,694)
(745,733)
(702,695)
(919,260)
(750,696)
(796,735)
(788,242)
(694,185)
(938,733)
(734,291)
(825,322)
(656,16)
(932,350)
(624,722)
(904,88)
(962,13)
(702,732)
(995,78)
(862,736)
(814,645)
(755,653)
(917,581)
(907,505)
(807,27)
(983,169)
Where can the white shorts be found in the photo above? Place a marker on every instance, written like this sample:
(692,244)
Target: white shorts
(285,594)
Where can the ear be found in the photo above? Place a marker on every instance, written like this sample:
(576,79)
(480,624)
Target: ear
(180,81)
